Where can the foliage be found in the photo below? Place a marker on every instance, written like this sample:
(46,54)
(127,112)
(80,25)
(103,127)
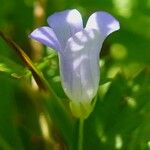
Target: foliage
(34,120)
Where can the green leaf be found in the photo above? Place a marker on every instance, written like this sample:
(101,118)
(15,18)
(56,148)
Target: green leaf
(8,130)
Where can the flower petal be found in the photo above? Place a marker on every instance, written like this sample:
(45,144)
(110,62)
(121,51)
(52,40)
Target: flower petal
(65,24)
(46,36)
(103,22)
(79,65)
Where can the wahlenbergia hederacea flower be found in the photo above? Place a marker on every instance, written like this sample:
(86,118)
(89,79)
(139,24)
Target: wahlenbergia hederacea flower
(78,49)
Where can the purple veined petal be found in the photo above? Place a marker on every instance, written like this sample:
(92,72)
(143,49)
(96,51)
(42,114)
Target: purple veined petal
(46,36)
(79,65)
(103,22)
(65,24)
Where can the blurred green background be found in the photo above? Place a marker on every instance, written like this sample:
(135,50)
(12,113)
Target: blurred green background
(29,120)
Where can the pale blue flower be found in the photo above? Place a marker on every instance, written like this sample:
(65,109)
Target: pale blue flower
(78,49)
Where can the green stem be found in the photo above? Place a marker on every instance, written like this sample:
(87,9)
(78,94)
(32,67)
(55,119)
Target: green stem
(81,130)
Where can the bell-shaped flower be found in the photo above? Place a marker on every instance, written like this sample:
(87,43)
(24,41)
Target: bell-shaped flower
(78,49)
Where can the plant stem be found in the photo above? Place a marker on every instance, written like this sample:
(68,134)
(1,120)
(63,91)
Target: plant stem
(81,130)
